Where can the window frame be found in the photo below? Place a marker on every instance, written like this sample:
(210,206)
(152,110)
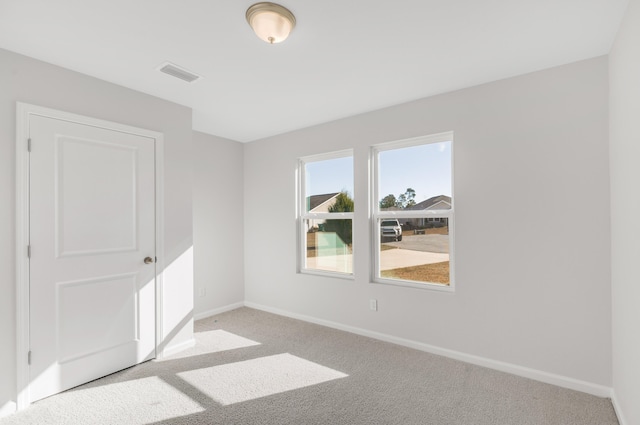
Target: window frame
(302,214)
(377,215)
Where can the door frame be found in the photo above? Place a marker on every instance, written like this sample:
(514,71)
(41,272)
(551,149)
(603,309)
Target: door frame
(24,112)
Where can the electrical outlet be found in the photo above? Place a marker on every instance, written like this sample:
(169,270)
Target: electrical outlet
(373,304)
(202,292)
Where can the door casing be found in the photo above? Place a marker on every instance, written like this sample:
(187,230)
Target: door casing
(24,113)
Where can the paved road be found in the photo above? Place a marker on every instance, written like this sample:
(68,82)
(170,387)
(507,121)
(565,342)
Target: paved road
(401,258)
(414,250)
(389,259)
(423,243)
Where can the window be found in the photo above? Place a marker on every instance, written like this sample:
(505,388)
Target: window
(412,208)
(326,214)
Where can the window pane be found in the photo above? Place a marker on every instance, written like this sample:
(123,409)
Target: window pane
(329,185)
(329,245)
(419,252)
(415,178)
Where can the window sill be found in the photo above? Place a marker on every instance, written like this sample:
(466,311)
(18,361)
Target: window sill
(344,276)
(418,285)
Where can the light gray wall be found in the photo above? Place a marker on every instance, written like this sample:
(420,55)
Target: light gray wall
(533,282)
(625,213)
(218,221)
(31,81)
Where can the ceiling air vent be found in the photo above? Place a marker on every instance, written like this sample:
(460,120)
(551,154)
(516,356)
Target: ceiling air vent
(181,73)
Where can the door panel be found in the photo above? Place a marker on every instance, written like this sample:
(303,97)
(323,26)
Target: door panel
(92,223)
(93,217)
(109,303)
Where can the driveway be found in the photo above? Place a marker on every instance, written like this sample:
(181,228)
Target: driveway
(389,259)
(423,243)
(401,258)
(414,250)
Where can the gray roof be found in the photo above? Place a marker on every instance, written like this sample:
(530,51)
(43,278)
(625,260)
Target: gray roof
(428,203)
(314,201)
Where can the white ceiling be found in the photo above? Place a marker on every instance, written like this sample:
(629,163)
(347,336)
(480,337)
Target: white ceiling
(344,57)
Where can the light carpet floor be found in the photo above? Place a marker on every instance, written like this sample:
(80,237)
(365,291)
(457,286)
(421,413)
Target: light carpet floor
(252,367)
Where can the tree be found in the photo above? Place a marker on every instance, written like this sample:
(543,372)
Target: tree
(409,195)
(406,199)
(343,203)
(388,201)
(343,228)
(403,201)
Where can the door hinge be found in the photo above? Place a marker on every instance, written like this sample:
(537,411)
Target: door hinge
(29,357)
(29,145)
(28,251)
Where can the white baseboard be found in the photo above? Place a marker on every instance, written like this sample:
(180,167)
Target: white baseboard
(618,408)
(538,375)
(173,349)
(213,312)
(9,408)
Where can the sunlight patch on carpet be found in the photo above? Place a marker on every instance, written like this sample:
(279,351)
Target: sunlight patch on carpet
(251,379)
(214,342)
(150,398)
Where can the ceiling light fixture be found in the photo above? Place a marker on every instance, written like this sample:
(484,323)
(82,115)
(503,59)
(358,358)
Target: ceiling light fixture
(271,22)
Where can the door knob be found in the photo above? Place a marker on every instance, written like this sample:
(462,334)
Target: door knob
(148,260)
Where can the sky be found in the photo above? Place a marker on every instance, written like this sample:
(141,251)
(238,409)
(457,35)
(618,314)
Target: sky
(424,168)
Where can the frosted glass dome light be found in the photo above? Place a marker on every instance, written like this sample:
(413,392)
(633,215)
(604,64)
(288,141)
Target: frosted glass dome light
(271,22)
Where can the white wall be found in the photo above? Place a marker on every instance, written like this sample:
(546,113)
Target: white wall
(533,282)
(625,213)
(218,222)
(28,80)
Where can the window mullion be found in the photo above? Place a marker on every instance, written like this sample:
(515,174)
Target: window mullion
(328,216)
(413,214)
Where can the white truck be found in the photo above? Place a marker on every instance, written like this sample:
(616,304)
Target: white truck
(390,229)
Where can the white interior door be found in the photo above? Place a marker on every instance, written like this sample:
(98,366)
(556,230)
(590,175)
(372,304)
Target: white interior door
(92,223)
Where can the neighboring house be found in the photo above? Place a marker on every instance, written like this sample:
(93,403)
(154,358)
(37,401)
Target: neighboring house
(440,202)
(320,204)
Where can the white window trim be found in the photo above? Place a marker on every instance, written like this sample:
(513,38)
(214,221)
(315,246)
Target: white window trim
(302,215)
(380,215)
